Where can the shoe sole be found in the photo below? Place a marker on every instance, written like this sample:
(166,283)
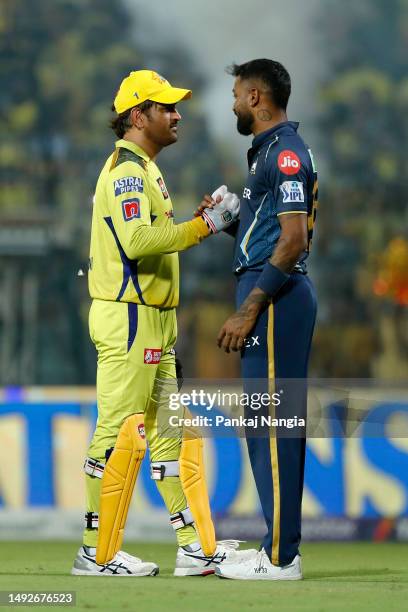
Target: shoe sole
(259,579)
(181,571)
(77,572)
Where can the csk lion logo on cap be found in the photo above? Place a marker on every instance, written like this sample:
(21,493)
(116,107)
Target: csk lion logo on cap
(158,77)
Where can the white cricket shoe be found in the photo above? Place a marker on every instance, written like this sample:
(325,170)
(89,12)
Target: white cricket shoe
(260,568)
(122,564)
(191,560)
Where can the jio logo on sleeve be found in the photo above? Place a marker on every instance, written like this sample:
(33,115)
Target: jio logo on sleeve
(288,162)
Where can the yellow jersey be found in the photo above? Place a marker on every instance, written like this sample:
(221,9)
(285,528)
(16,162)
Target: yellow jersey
(134,241)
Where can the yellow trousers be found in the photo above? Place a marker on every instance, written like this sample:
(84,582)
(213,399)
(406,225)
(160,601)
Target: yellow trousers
(136,373)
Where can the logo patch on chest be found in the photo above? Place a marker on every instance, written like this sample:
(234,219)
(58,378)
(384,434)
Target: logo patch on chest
(128,183)
(163,188)
(253,167)
(292,192)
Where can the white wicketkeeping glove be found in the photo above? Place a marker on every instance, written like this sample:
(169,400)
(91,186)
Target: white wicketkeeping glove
(223,214)
(221,191)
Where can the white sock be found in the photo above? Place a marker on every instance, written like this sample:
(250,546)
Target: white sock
(194,547)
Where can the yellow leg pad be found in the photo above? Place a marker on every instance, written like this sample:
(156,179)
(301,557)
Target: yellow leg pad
(118,482)
(192,478)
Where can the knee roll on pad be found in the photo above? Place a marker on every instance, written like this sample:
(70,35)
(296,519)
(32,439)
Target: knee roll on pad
(118,481)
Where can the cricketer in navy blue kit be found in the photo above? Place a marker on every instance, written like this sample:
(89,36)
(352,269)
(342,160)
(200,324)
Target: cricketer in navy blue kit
(276,305)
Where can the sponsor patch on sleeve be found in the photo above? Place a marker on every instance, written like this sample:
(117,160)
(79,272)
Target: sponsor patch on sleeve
(292,192)
(127,184)
(288,162)
(131,209)
(163,188)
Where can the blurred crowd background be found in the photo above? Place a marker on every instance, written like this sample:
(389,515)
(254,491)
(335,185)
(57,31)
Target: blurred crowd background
(61,62)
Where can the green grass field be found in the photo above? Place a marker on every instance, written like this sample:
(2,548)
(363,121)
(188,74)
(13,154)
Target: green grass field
(344,577)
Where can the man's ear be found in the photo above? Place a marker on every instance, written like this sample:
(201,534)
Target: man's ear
(254,97)
(136,116)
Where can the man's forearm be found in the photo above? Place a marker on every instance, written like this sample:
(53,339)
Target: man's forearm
(274,275)
(276,271)
(253,304)
(286,254)
(168,239)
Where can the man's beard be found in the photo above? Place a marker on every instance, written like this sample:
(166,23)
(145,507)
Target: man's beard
(244,123)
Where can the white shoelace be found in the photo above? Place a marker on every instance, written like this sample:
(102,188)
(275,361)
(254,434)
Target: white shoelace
(260,558)
(230,544)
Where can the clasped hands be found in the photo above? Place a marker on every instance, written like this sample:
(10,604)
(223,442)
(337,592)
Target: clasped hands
(219,210)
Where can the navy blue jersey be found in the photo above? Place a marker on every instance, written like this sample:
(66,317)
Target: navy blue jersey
(282,179)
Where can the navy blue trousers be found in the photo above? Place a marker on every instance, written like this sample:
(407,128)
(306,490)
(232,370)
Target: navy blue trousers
(277,350)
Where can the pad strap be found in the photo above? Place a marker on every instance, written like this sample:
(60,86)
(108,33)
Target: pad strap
(92,467)
(91,520)
(164,469)
(181,519)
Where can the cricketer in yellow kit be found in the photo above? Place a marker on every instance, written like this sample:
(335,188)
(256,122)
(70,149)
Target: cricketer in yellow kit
(134,284)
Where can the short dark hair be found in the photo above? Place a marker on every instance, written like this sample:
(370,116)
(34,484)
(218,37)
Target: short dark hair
(122,123)
(273,74)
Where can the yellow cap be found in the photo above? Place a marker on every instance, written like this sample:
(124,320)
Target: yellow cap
(143,85)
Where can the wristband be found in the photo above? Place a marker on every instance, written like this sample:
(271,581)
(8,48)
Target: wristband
(272,279)
(209,223)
